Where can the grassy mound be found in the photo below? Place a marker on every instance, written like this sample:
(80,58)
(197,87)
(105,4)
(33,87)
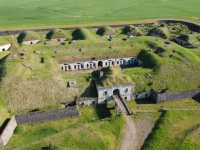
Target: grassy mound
(105,31)
(79,34)
(148,59)
(161,31)
(113,76)
(3,42)
(131,30)
(169,131)
(56,33)
(27,36)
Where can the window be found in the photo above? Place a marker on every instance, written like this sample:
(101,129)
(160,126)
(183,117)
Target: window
(106,63)
(87,65)
(69,67)
(126,90)
(105,93)
(74,66)
(117,62)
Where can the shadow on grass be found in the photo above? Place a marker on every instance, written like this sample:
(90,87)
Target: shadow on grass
(150,136)
(128,66)
(197,99)
(145,101)
(4,125)
(50,147)
(90,91)
(103,111)
(2,67)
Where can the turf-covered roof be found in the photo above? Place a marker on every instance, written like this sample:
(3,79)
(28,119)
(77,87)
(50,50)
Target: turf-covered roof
(79,34)
(56,33)
(162,31)
(112,77)
(131,30)
(28,36)
(105,31)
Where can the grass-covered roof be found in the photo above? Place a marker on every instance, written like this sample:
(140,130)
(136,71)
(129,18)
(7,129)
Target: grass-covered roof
(131,30)
(161,31)
(112,77)
(106,30)
(56,33)
(27,36)
(79,34)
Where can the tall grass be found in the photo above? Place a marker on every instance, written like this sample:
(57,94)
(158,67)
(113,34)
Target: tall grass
(170,129)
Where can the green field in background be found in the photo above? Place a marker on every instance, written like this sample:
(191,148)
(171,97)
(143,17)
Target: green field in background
(58,12)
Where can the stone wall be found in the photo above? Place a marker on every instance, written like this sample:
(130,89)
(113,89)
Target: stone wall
(5,47)
(91,64)
(8,131)
(34,117)
(105,93)
(143,95)
(88,102)
(59,40)
(162,97)
(30,42)
(46,115)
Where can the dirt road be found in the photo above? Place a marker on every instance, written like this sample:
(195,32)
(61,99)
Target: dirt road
(129,141)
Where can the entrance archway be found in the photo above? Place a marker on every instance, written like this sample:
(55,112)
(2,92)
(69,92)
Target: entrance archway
(116,92)
(100,64)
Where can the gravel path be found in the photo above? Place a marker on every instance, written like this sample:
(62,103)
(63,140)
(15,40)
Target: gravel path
(129,141)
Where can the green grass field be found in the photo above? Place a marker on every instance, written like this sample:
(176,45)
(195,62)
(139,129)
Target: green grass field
(32,13)
(96,128)
(44,87)
(170,130)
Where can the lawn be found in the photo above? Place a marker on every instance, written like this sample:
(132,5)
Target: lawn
(97,127)
(170,130)
(148,104)
(4,114)
(36,85)
(57,12)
